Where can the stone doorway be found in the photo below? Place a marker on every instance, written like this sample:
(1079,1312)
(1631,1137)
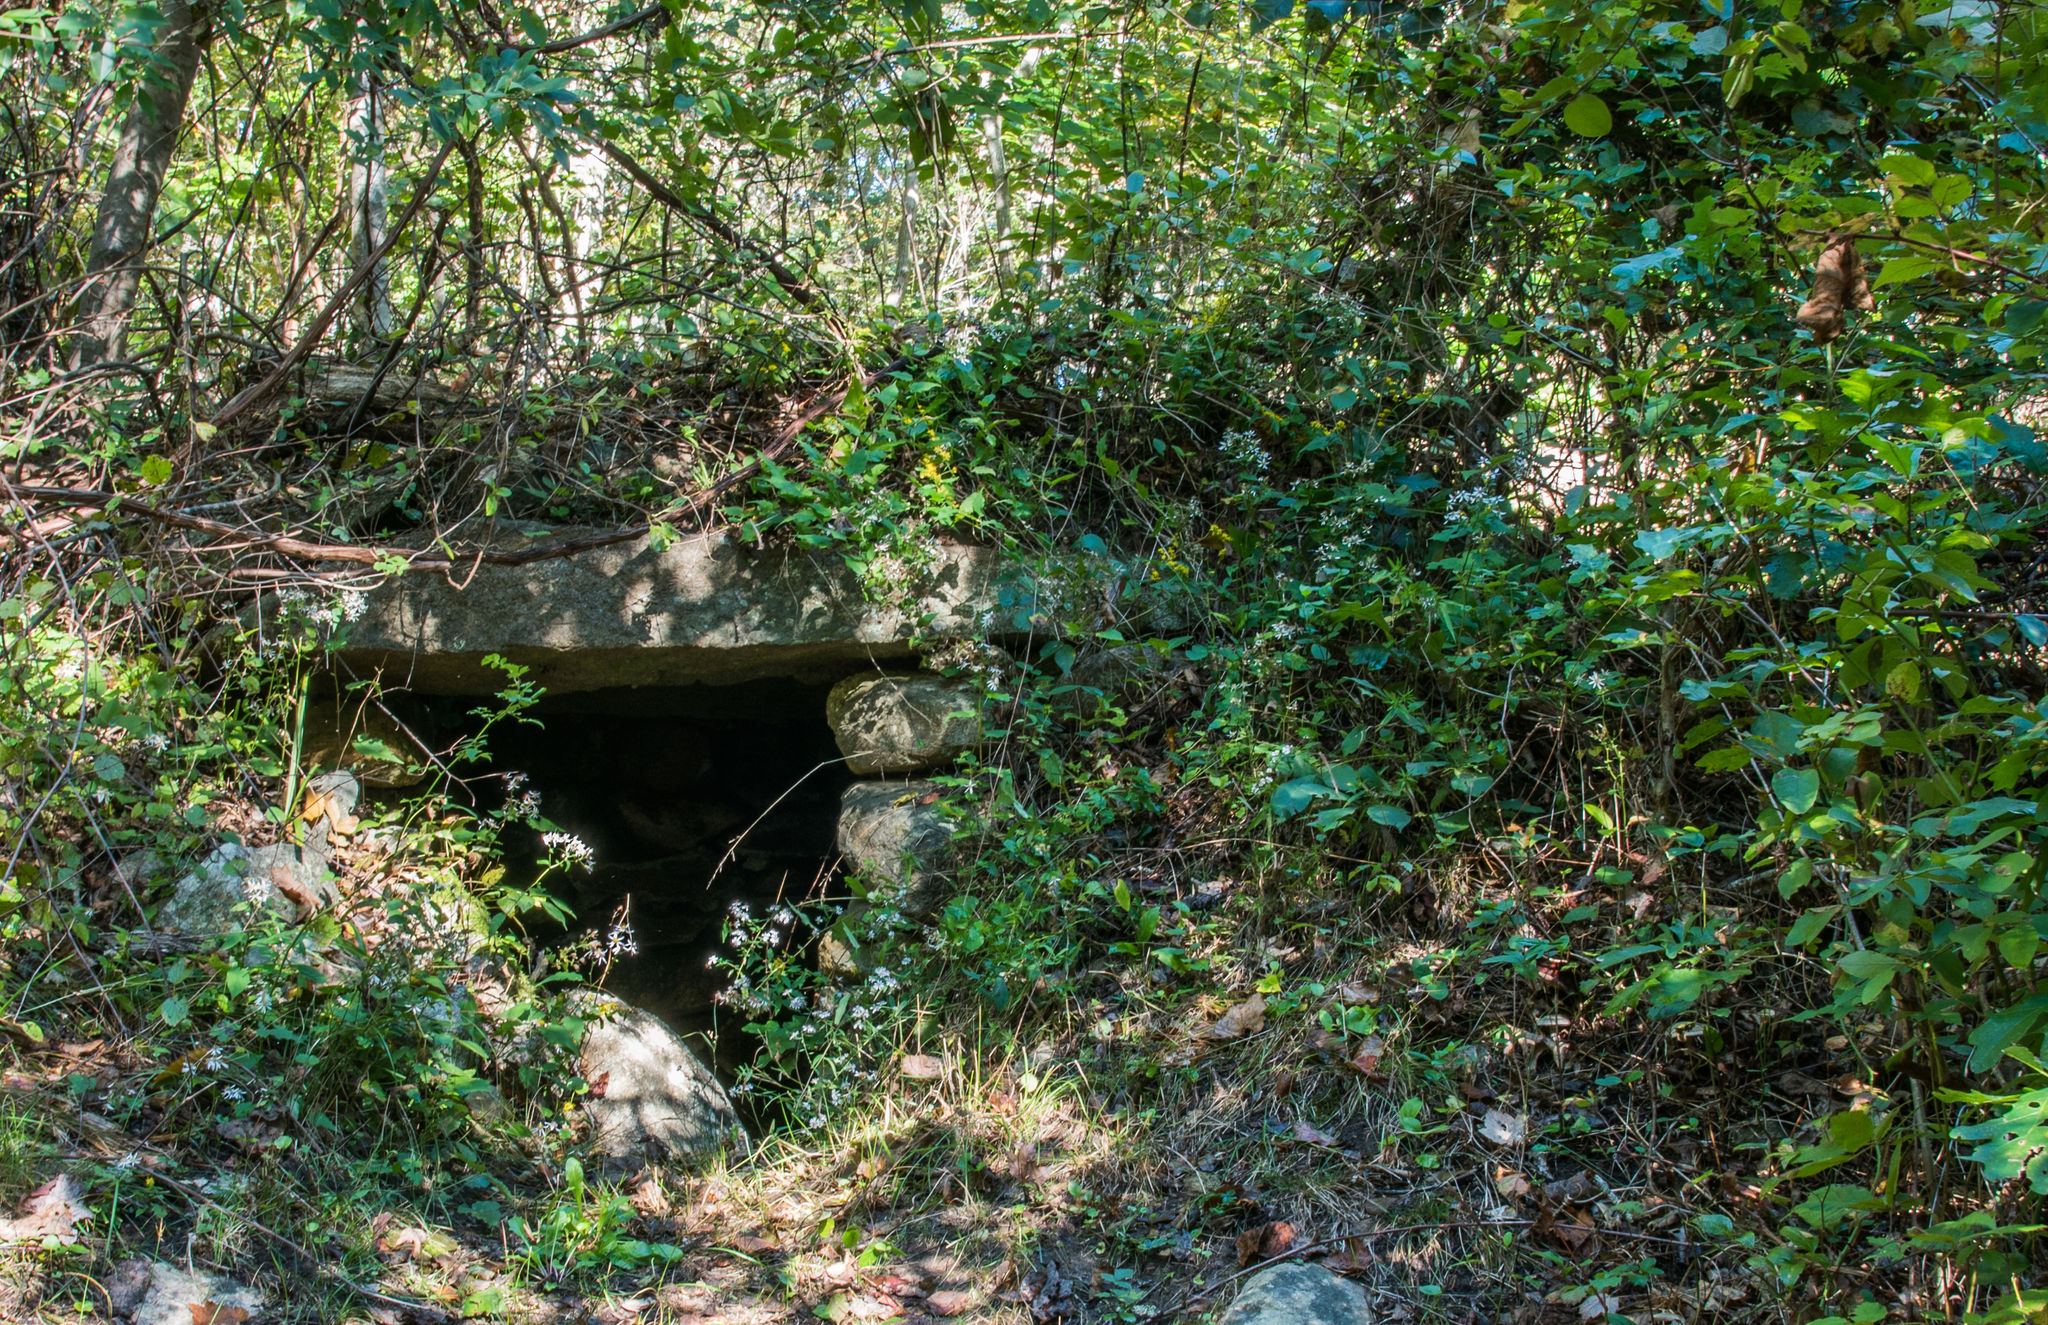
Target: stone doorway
(692,799)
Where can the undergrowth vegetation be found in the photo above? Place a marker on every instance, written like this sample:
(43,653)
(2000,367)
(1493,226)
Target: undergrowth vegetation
(1520,773)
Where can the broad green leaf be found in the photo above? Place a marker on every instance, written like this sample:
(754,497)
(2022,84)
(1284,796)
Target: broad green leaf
(1393,816)
(1588,116)
(1796,788)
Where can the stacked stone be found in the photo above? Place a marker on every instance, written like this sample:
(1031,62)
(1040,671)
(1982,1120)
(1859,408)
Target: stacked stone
(891,726)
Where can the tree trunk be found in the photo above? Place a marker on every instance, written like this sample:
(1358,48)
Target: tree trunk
(472,248)
(369,196)
(999,179)
(127,210)
(906,241)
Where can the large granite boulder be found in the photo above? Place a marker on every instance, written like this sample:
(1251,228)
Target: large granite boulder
(650,1095)
(1297,1293)
(903,722)
(704,608)
(893,833)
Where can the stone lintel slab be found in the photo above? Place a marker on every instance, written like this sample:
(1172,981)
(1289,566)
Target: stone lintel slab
(707,608)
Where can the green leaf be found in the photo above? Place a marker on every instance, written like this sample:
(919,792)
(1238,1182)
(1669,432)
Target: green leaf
(1796,788)
(155,470)
(1725,760)
(1588,116)
(1809,926)
(1908,169)
(1393,816)
(175,1011)
(1658,544)
(1291,798)
(1897,271)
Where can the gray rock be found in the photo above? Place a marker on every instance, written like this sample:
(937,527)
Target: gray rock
(1297,1293)
(707,608)
(290,882)
(174,1291)
(903,722)
(892,832)
(657,1096)
(841,954)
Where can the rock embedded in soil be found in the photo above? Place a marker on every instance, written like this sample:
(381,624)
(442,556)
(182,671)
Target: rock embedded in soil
(903,722)
(177,1296)
(290,880)
(650,1093)
(893,833)
(286,880)
(841,954)
(1297,1293)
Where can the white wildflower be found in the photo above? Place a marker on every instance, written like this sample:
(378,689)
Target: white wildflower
(572,849)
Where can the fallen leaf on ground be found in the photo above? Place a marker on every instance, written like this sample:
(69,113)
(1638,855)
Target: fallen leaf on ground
(1353,1257)
(875,1306)
(1353,994)
(1366,1062)
(53,1210)
(1574,1233)
(421,1244)
(1504,1129)
(950,1301)
(1598,1305)
(1247,1018)
(1265,1242)
(923,1067)
(1510,1184)
(753,1246)
(213,1313)
(649,1199)
(1303,1131)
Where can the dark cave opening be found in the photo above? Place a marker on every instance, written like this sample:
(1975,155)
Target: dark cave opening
(690,798)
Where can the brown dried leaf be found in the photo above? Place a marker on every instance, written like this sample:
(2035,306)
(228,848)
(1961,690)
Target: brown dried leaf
(1510,1183)
(1353,994)
(1839,284)
(923,1067)
(1265,1242)
(1304,1132)
(1366,1062)
(754,1246)
(1247,1018)
(950,1301)
(53,1210)
(1353,1257)
(210,1312)
(649,1199)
